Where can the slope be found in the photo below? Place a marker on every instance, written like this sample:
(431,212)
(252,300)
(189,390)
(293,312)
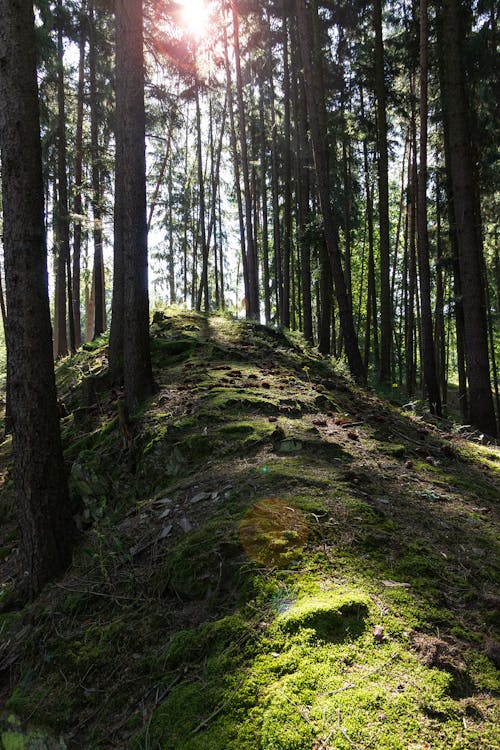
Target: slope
(272,559)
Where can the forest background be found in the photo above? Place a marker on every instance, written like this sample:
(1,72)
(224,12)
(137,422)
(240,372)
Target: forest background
(256,112)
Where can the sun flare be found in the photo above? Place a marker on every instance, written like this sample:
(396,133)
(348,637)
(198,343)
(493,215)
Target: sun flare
(195,16)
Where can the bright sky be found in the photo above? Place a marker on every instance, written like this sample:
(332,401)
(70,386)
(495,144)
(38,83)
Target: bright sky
(195,16)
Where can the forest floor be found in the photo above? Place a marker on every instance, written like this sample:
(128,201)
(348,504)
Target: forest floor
(276,560)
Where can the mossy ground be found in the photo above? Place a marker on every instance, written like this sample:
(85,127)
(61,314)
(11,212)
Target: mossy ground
(279,561)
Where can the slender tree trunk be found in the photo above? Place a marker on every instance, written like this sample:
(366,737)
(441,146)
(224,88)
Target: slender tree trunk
(275,188)
(440,332)
(171,256)
(221,256)
(325,299)
(164,164)
(303,190)
(371,301)
(61,208)
(265,219)
(428,351)
(253,284)
(46,526)
(77,202)
(215,176)
(287,176)
(330,228)
(412,271)
(98,272)
(383,198)
(203,290)
(237,176)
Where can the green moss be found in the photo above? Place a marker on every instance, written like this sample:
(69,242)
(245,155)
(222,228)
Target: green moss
(49,703)
(211,638)
(13,741)
(227,641)
(392,449)
(197,568)
(196,447)
(331,618)
(483,674)
(235,400)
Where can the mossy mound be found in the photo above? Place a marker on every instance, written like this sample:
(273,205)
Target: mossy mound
(333,618)
(276,560)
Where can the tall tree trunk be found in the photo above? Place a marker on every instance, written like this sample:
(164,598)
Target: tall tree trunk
(166,161)
(42,503)
(330,228)
(371,301)
(98,271)
(61,233)
(237,175)
(171,257)
(131,198)
(303,190)
(383,200)
(203,289)
(428,351)
(253,284)
(325,299)
(287,176)
(275,189)
(265,219)
(77,201)
(466,216)
(412,271)
(440,332)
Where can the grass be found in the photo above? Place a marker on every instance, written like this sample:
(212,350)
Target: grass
(280,561)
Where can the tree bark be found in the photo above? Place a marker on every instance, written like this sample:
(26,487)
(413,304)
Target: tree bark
(265,219)
(131,200)
(330,228)
(253,283)
(61,214)
(466,216)
(77,201)
(236,166)
(428,351)
(98,271)
(287,176)
(45,521)
(383,200)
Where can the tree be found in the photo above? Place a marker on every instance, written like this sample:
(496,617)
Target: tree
(383,199)
(329,223)
(61,228)
(98,269)
(46,526)
(130,292)
(428,350)
(466,218)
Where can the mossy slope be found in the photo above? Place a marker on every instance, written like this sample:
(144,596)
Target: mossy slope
(278,561)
